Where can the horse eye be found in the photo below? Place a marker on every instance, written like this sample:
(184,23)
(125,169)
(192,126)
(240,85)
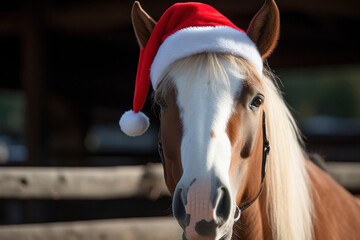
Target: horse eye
(161,102)
(256,103)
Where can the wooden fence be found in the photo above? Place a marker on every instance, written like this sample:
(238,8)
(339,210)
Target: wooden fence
(113,182)
(82,182)
(107,183)
(158,228)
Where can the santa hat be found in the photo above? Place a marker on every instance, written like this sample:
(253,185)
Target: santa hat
(183,30)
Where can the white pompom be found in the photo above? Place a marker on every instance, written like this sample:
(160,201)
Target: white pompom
(134,124)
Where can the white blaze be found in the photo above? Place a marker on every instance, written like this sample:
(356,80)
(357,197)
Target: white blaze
(206,107)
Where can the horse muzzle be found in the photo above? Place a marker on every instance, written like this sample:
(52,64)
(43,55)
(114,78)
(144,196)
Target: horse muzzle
(202,210)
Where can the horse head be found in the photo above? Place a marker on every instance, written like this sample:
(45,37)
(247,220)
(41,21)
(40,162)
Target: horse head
(212,127)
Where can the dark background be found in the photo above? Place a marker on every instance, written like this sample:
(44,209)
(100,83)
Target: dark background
(67,72)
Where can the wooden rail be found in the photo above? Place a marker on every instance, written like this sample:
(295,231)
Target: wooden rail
(160,228)
(113,182)
(104,183)
(82,182)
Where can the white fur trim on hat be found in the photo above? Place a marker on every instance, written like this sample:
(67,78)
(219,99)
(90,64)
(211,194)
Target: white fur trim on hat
(193,40)
(134,124)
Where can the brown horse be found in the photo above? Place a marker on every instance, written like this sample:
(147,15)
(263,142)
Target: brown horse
(215,148)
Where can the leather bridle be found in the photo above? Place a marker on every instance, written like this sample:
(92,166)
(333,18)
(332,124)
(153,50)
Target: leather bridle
(266,150)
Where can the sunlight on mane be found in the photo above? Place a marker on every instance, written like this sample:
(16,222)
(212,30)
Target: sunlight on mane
(287,184)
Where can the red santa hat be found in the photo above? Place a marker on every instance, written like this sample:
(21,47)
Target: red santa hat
(183,30)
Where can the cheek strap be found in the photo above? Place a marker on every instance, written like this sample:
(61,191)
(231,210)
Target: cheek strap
(266,150)
(161,153)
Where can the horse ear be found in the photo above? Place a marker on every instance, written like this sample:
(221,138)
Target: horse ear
(265,27)
(143,24)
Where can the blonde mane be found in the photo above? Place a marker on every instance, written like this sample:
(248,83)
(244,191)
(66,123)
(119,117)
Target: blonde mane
(287,185)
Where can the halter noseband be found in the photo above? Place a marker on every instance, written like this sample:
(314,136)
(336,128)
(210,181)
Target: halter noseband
(266,150)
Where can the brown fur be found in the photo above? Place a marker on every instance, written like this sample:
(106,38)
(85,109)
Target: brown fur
(337,211)
(171,135)
(244,131)
(336,216)
(254,222)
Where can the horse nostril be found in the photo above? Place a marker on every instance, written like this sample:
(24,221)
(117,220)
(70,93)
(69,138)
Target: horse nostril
(179,209)
(223,205)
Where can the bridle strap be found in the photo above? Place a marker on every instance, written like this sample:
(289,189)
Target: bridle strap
(161,154)
(266,150)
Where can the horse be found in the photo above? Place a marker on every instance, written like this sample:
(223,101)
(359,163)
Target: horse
(219,117)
